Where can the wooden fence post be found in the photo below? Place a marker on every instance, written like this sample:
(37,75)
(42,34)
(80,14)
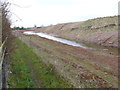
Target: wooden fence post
(0,68)
(0,22)
(0,45)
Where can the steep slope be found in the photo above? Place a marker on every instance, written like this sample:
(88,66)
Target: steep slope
(103,31)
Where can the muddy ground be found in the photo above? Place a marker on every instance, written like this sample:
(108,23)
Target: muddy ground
(80,67)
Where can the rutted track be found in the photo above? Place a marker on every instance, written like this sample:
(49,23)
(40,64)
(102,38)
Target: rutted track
(80,67)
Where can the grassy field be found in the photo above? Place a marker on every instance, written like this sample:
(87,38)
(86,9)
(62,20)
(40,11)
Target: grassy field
(79,67)
(28,71)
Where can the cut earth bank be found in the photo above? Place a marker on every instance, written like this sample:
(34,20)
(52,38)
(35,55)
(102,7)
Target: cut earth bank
(101,31)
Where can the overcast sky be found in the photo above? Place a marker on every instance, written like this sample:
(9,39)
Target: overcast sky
(47,12)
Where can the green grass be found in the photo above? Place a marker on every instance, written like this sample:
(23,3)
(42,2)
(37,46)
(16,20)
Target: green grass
(28,71)
(20,77)
(99,22)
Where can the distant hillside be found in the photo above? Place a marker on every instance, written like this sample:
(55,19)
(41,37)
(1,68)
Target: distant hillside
(101,31)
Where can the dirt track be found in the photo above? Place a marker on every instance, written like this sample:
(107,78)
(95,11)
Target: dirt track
(78,66)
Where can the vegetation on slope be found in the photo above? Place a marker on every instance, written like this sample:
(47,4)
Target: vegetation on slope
(101,31)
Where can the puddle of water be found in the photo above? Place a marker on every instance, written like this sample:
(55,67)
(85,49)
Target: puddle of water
(68,42)
(72,43)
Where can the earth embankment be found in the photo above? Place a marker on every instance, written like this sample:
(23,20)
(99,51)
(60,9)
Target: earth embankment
(102,31)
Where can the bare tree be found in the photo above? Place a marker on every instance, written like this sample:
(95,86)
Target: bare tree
(6,23)
(6,31)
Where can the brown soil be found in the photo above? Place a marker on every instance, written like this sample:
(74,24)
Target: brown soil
(72,61)
(102,31)
(107,59)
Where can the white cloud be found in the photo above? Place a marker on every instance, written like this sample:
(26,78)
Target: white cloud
(46,12)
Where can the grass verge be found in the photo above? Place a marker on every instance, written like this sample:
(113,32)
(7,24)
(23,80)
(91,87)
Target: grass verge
(29,72)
